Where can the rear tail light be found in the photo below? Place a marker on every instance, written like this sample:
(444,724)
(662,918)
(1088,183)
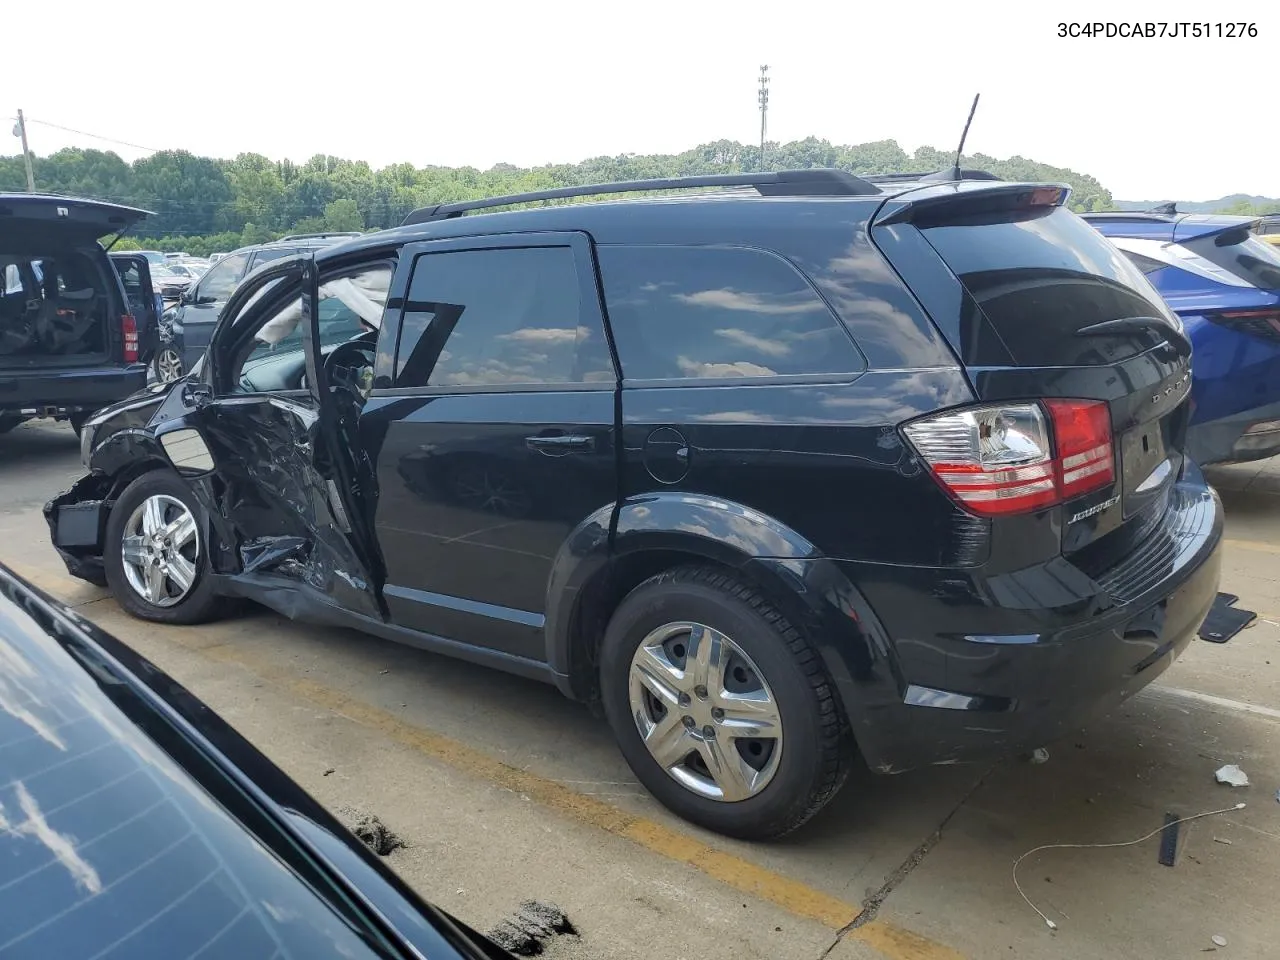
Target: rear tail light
(1082,432)
(129,332)
(1259,323)
(1006,459)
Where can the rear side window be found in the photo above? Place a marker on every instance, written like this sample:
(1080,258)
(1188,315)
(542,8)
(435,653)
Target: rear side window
(1146,264)
(271,253)
(494,317)
(718,312)
(1039,276)
(1241,253)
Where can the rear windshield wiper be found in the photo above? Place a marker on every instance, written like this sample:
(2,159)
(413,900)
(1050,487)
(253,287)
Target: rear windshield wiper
(1122,325)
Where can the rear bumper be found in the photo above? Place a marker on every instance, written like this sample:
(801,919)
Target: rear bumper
(69,390)
(1249,435)
(1073,646)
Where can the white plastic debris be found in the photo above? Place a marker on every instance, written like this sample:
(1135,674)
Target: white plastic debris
(1232,776)
(1039,755)
(1219,940)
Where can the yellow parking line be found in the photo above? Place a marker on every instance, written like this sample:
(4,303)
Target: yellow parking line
(1257,545)
(742,875)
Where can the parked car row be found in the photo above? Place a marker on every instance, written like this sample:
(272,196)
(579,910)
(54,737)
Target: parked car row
(817,469)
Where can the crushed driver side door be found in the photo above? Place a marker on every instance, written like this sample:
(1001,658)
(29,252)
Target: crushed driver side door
(261,465)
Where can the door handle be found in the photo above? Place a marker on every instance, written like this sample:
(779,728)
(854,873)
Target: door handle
(560,444)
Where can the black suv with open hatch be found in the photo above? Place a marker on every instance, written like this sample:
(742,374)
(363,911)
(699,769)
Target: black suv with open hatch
(805,469)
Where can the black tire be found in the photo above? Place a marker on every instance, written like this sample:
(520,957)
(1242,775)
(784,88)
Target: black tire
(818,752)
(77,421)
(200,602)
(8,423)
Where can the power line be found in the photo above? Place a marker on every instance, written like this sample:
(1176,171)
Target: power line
(95,136)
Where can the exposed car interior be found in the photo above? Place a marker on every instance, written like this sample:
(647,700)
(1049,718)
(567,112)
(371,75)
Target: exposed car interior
(51,305)
(350,312)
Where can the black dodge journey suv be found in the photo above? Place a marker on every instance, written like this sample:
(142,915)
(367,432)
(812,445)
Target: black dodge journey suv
(795,470)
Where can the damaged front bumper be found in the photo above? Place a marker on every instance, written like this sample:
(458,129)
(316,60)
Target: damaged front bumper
(77,522)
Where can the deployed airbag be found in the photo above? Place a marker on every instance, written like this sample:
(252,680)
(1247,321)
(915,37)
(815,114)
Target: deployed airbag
(364,294)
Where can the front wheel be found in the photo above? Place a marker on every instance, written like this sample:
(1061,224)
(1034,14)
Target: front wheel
(720,706)
(167,364)
(156,558)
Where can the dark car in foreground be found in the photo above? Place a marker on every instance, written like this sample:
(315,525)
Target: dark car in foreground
(1223,281)
(76,327)
(134,823)
(808,468)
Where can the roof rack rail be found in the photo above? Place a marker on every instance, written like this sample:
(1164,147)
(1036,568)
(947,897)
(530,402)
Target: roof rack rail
(943,176)
(321,236)
(818,182)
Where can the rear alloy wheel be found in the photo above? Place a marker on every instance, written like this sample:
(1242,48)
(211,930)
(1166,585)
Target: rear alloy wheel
(168,364)
(155,555)
(722,708)
(704,712)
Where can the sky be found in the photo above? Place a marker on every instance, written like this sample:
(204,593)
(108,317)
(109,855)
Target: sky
(551,81)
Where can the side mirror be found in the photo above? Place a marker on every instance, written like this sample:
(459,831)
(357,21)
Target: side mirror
(195,395)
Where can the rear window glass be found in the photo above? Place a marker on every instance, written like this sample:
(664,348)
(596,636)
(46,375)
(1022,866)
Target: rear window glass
(1243,254)
(1042,275)
(716,313)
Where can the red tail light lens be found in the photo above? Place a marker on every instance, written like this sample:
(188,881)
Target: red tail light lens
(1082,432)
(129,332)
(1001,460)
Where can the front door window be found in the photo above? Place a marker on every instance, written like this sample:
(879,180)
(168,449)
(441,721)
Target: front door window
(350,306)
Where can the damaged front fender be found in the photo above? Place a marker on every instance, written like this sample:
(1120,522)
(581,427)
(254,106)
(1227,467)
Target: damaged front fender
(77,522)
(77,518)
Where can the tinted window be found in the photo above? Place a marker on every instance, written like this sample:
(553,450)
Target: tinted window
(489,317)
(221,280)
(272,253)
(1041,275)
(1243,254)
(1145,264)
(131,277)
(702,312)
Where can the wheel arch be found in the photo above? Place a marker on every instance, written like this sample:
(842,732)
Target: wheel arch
(600,564)
(126,455)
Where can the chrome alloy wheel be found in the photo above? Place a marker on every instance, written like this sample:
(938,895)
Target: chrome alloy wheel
(168,365)
(161,549)
(705,712)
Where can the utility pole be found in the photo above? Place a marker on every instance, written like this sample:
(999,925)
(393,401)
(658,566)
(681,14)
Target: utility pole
(21,131)
(764,108)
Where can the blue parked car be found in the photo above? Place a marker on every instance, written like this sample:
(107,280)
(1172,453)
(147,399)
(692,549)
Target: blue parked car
(1224,282)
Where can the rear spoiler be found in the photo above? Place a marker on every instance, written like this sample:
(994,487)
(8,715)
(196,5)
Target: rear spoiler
(950,201)
(933,176)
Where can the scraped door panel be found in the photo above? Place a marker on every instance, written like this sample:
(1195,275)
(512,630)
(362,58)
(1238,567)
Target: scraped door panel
(251,462)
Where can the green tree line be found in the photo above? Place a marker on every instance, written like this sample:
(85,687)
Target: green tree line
(203,205)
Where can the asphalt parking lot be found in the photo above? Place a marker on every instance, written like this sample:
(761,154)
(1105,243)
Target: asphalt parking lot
(504,791)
